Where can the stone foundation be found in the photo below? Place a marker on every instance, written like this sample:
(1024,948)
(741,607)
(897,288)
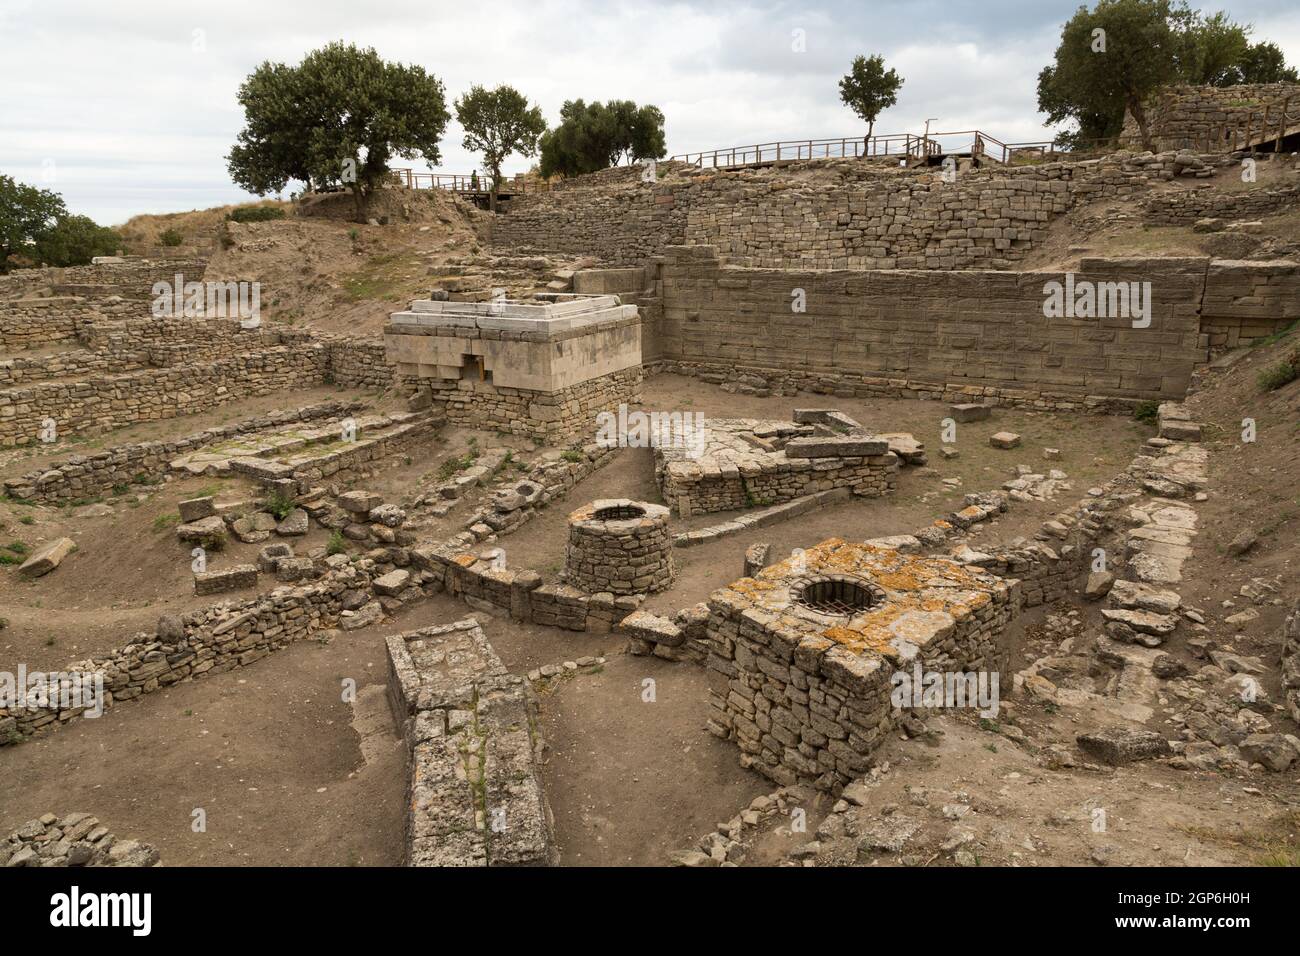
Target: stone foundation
(474,794)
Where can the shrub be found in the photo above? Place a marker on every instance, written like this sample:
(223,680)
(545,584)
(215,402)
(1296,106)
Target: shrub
(280,504)
(1283,373)
(337,543)
(256,213)
(1146,412)
(171,238)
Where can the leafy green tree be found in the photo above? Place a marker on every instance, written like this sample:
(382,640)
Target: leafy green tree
(1111,58)
(337,118)
(1265,63)
(27,215)
(75,240)
(597,135)
(869,89)
(497,123)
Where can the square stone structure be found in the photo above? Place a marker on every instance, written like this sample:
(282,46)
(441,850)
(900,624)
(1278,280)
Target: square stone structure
(474,796)
(749,463)
(542,368)
(804,690)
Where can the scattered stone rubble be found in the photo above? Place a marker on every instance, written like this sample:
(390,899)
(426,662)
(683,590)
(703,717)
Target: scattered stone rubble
(75,839)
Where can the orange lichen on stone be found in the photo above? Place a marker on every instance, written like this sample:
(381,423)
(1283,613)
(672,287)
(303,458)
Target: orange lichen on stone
(465,560)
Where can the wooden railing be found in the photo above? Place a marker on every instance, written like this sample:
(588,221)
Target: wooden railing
(471,184)
(1257,128)
(860,147)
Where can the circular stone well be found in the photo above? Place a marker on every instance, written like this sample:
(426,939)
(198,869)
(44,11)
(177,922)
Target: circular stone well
(621,546)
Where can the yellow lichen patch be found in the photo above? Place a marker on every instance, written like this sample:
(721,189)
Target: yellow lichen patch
(465,560)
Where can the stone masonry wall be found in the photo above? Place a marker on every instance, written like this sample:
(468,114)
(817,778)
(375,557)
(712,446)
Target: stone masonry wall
(550,417)
(844,215)
(1201,117)
(935,333)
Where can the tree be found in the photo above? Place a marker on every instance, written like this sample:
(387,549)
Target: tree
(869,89)
(1113,57)
(597,135)
(335,119)
(497,123)
(27,215)
(75,240)
(1109,59)
(1265,63)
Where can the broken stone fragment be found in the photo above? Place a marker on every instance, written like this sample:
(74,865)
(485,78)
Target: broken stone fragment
(1004,440)
(1099,585)
(1123,745)
(359,502)
(196,509)
(295,523)
(47,558)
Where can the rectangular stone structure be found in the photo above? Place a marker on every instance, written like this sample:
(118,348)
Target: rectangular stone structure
(543,367)
(474,794)
(801,676)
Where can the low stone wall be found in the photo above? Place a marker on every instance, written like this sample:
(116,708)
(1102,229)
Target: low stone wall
(75,839)
(208,641)
(1185,208)
(1291,662)
(83,476)
(474,793)
(115,401)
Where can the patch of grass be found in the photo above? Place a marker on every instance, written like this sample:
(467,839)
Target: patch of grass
(573,455)
(17,547)
(164,521)
(27,519)
(7,558)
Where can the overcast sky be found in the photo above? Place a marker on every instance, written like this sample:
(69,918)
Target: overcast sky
(128,106)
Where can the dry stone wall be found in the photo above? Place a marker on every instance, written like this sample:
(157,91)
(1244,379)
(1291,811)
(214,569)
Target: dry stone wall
(843,215)
(1216,118)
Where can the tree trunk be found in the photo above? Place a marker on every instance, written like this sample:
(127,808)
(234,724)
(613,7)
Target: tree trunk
(1140,117)
(492,194)
(360,200)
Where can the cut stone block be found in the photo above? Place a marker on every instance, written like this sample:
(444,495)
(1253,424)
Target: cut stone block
(196,509)
(359,502)
(1005,440)
(852,447)
(1122,745)
(226,579)
(969,412)
(47,558)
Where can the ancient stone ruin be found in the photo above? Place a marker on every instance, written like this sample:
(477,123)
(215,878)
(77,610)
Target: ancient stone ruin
(881,517)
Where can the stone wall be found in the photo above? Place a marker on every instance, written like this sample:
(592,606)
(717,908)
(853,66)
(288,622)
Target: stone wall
(1216,118)
(933,334)
(841,214)
(29,323)
(83,476)
(207,641)
(1185,208)
(115,401)
(1247,300)
(474,793)
(552,417)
